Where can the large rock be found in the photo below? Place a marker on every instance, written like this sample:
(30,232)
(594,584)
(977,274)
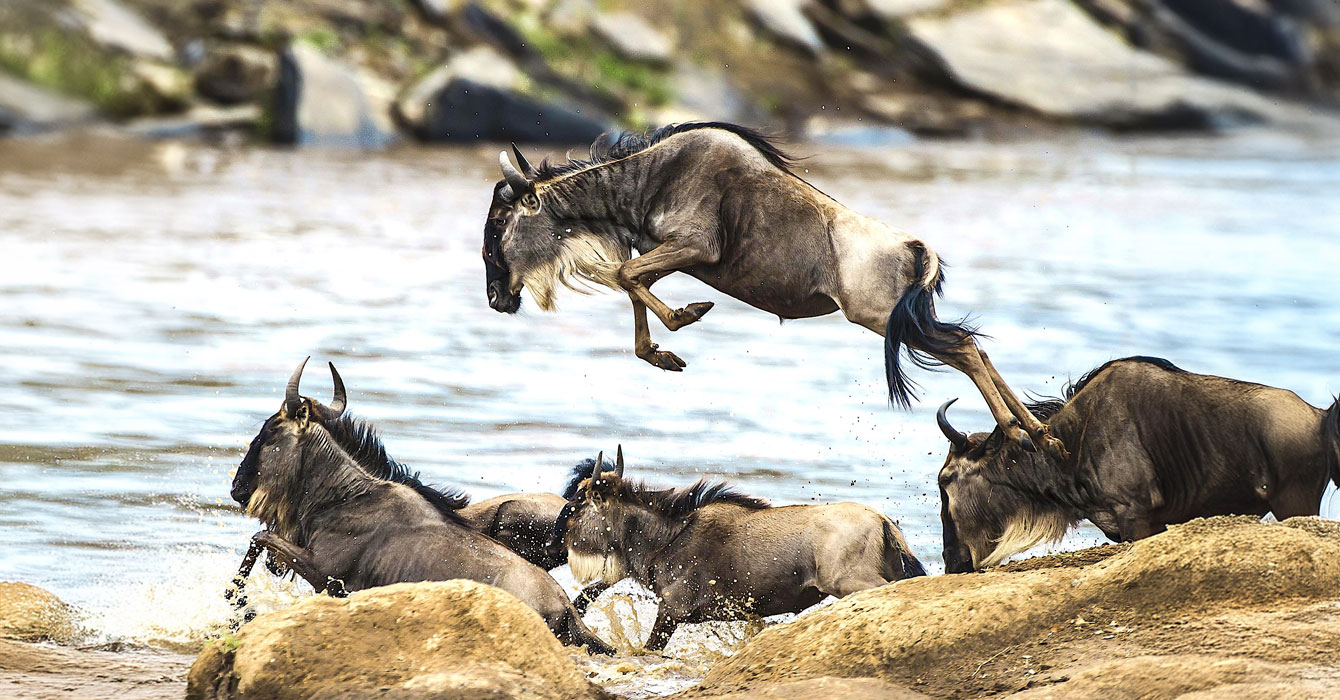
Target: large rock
(116,26)
(632,37)
(232,74)
(324,102)
(1218,588)
(32,614)
(1075,70)
(786,20)
(454,639)
(480,95)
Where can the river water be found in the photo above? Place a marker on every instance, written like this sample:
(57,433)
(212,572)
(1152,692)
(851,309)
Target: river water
(154,299)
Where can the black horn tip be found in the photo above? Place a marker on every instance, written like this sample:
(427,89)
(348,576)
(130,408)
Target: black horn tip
(340,399)
(957,439)
(618,461)
(521,161)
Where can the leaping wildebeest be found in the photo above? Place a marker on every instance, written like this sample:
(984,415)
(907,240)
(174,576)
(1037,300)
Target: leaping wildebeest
(721,203)
(1154,445)
(343,529)
(711,553)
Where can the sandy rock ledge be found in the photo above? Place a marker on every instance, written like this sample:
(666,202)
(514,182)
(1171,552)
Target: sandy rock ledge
(1224,608)
(454,639)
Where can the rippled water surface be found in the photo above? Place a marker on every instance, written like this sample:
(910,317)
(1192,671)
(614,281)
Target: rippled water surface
(154,299)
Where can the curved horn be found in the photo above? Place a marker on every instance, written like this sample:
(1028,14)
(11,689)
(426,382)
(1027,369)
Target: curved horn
(600,466)
(340,399)
(521,161)
(292,401)
(618,462)
(957,439)
(515,180)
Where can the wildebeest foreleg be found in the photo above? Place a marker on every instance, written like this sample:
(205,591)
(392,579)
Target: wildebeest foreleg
(1035,428)
(588,596)
(300,561)
(237,591)
(665,626)
(642,345)
(637,275)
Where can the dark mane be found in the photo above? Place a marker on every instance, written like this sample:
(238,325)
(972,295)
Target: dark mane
(675,503)
(584,470)
(610,148)
(359,439)
(1045,407)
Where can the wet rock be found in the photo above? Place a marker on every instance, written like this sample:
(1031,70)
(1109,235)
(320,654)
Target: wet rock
(114,25)
(479,94)
(898,9)
(632,37)
(1187,676)
(825,689)
(48,671)
(1076,70)
(1234,586)
(321,101)
(32,614)
(454,639)
(236,73)
(786,20)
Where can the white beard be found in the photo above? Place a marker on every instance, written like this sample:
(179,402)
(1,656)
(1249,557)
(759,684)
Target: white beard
(596,567)
(590,259)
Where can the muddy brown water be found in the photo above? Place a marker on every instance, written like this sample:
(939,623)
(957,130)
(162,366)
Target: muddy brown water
(154,298)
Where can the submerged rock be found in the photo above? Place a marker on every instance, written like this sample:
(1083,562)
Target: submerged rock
(453,639)
(25,107)
(32,614)
(1076,70)
(1267,595)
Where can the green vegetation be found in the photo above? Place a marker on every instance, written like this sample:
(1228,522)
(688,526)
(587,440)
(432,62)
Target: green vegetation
(322,39)
(68,63)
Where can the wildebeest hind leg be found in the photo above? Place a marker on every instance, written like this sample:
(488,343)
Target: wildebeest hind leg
(1040,433)
(300,561)
(967,359)
(642,345)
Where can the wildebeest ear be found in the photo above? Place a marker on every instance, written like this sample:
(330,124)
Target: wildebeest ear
(991,445)
(304,414)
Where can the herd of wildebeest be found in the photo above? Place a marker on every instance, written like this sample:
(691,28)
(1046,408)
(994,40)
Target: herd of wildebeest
(1133,446)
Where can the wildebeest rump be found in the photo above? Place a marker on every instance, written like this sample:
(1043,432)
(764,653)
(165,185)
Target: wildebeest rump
(1153,445)
(711,553)
(341,528)
(721,202)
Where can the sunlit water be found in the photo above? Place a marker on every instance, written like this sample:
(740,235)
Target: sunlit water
(154,299)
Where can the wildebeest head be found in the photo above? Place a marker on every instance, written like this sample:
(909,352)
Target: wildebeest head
(273,453)
(589,526)
(985,515)
(529,244)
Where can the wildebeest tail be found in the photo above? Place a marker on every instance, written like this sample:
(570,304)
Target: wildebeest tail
(1330,439)
(579,633)
(895,543)
(912,324)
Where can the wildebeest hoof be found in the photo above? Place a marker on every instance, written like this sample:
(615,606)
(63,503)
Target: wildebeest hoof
(1055,448)
(1027,443)
(689,314)
(663,359)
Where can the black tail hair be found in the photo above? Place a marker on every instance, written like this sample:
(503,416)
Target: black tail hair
(912,324)
(1330,438)
(912,567)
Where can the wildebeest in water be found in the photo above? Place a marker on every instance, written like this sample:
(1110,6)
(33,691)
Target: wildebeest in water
(1153,446)
(712,553)
(343,529)
(722,203)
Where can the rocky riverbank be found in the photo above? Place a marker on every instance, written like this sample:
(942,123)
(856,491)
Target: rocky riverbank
(351,73)
(1225,607)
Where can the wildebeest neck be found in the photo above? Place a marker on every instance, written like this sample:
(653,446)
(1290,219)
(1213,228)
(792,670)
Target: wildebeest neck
(607,200)
(289,498)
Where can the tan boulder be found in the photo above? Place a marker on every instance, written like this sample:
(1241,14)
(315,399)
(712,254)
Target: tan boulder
(453,639)
(32,614)
(1223,586)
